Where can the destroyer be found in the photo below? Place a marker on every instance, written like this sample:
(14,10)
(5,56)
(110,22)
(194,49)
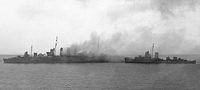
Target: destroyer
(154,59)
(51,57)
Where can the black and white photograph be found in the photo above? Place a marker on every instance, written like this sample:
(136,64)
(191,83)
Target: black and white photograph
(99,44)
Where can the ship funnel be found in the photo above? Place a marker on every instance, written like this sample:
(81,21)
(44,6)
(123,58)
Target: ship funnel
(156,55)
(61,51)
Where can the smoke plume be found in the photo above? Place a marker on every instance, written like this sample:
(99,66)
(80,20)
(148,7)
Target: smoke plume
(172,25)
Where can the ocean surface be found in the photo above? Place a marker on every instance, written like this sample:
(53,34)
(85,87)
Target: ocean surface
(99,76)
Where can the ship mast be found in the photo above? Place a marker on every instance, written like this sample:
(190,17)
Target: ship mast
(31,50)
(152,51)
(56,45)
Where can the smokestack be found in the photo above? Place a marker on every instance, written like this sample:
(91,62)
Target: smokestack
(61,51)
(156,55)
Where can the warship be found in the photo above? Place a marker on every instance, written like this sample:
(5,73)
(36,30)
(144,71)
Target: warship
(51,57)
(154,59)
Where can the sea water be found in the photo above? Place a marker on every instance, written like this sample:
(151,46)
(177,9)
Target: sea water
(99,76)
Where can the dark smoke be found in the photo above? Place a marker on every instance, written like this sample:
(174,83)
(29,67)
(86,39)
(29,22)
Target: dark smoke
(169,35)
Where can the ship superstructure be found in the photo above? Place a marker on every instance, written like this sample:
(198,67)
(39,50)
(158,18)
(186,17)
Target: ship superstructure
(51,57)
(154,59)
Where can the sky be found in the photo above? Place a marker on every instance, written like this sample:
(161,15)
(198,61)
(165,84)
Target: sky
(123,26)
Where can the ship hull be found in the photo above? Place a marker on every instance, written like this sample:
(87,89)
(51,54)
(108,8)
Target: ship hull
(154,61)
(52,60)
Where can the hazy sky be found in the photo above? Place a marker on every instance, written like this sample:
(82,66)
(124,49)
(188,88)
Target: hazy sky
(174,25)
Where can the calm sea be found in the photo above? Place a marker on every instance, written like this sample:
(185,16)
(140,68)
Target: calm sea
(102,76)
